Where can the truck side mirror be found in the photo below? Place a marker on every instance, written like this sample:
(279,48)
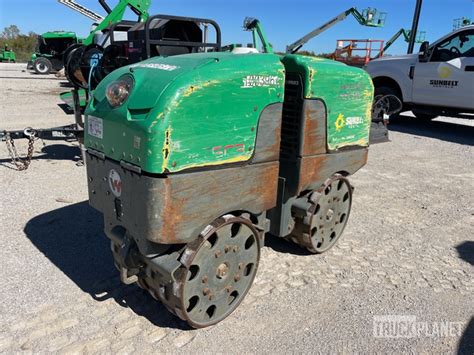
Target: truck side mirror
(423,54)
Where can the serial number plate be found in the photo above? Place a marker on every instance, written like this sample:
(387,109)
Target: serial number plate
(95,126)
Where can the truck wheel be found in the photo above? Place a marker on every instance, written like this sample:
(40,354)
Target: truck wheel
(423,115)
(387,90)
(42,66)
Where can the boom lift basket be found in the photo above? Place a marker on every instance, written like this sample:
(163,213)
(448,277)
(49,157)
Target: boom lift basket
(461,22)
(373,18)
(420,36)
(358,52)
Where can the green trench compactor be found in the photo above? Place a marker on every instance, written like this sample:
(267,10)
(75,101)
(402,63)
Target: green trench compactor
(195,156)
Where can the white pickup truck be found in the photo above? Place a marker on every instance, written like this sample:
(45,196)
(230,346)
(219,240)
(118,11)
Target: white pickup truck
(439,80)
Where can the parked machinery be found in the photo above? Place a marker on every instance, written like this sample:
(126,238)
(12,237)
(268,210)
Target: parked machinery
(461,22)
(114,15)
(370,17)
(129,42)
(48,56)
(193,158)
(357,52)
(90,50)
(72,54)
(405,34)
(7,55)
(53,45)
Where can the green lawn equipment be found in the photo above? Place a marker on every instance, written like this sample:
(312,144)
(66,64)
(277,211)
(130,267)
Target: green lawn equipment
(7,55)
(49,53)
(193,157)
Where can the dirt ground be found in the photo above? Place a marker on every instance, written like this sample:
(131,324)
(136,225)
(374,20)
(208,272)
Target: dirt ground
(406,257)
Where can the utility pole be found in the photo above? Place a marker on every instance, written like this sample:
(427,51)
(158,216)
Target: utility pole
(414,26)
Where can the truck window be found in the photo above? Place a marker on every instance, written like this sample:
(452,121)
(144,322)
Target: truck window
(460,45)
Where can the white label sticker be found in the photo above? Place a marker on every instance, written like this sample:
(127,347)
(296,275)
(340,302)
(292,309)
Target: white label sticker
(159,66)
(251,81)
(115,183)
(95,127)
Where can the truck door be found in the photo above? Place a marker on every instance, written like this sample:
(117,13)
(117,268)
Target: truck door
(447,79)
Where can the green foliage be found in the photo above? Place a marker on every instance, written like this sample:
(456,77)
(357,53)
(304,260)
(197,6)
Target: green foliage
(22,44)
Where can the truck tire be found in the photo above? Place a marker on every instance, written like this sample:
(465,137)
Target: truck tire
(387,90)
(42,66)
(423,115)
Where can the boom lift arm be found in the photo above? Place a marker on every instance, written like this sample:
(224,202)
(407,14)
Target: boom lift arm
(369,17)
(254,25)
(82,10)
(139,7)
(406,36)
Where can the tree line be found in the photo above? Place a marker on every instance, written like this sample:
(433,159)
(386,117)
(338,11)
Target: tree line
(22,44)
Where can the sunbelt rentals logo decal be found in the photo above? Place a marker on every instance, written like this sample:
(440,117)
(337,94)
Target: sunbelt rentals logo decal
(444,72)
(350,122)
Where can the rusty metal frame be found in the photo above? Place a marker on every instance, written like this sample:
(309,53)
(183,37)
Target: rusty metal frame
(177,207)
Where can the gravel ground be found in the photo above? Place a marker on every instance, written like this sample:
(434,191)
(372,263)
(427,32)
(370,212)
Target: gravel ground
(407,251)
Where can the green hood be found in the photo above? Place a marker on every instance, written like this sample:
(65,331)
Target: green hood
(152,76)
(187,111)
